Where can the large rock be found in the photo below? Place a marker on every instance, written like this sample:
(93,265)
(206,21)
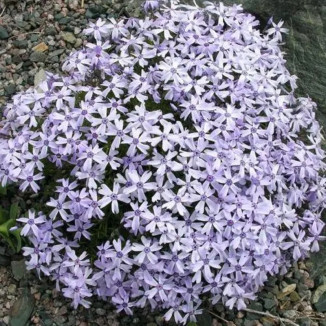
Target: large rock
(22,309)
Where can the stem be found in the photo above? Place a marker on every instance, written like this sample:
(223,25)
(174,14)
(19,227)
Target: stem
(267,314)
(25,34)
(4,8)
(219,317)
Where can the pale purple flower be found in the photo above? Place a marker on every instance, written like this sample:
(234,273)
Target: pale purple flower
(31,223)
(99,29)
(147,250)
(29,179)
(112,197)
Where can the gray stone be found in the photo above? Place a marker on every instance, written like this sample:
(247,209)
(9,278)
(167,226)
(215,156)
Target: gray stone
(10,89)
(290,314)
(12,288)
(58,16)
(77,30)
(55,59)
(321,304)
(22,309)
(16,59)
(100,311)
(254,306)
(51,30)
(65,20)
(24,25)
(52,42)
(39,77)
(73,4)
(305,321)
(21,44)
(62,311)
(133,8)
(69,37)
(249,323)
(34,38)
(89,14)
(38,57)
(48,322)
(71,321)
(269,303)
(18,269)
(94,11)
(3,33)
(57,7)
(294,296)
(321,280)
(56,52)
(78,43)
(298,275)
(8,60)
(60,320)
(302,289)
(318,267)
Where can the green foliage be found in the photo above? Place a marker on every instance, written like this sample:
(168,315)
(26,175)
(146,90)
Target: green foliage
(7,221)
(3,191)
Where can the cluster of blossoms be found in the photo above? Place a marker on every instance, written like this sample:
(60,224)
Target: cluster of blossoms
(185,126)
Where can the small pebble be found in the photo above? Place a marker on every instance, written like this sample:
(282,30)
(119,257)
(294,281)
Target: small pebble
(6,320)
(12,288)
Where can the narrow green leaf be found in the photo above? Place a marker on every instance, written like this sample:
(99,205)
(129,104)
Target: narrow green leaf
(3,215)
(4,232)
(16,234)
(14,211)
(4,229)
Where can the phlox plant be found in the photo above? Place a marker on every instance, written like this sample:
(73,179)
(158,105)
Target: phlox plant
(172,162)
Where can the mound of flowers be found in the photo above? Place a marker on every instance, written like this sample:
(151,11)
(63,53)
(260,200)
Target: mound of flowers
(171,163)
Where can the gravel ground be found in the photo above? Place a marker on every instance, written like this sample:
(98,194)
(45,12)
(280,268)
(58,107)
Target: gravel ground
(36,35)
